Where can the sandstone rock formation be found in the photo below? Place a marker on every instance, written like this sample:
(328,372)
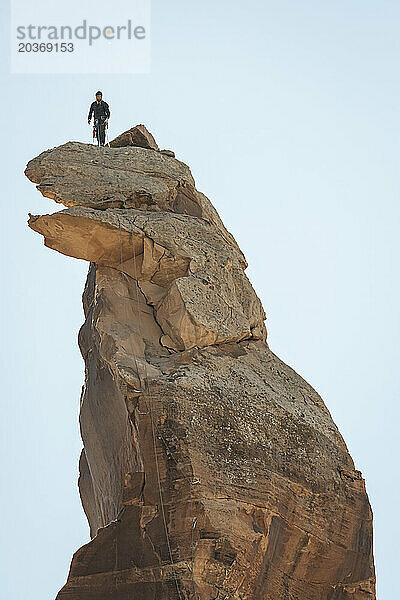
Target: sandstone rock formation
(136,136)
(210,469)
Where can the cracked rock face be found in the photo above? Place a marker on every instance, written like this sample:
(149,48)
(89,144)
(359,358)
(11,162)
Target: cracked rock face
(210,469)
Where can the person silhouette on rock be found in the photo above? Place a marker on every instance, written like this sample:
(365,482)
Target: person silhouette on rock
(101,113)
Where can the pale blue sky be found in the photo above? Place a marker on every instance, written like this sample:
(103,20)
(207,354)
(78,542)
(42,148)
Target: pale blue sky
(287,113)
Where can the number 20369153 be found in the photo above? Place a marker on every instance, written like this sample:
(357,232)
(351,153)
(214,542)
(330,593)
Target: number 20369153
(45,47)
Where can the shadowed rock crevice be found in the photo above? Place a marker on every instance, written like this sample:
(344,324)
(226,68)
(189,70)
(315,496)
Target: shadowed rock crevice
(210,469)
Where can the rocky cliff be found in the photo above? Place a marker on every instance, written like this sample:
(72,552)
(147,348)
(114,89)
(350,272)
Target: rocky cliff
(210,469)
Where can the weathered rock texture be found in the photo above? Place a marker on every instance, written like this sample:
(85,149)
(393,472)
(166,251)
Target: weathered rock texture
(209,469)
(136,136)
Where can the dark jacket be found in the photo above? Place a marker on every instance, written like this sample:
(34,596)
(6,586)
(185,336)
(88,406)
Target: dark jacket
(99,109)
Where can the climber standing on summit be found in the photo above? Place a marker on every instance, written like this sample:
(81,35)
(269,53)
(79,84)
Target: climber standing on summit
(101,113)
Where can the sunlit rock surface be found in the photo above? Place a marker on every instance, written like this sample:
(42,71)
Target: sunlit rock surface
(210,469)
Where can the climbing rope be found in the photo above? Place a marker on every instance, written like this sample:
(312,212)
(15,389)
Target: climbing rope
(153,427)
(169,452)
(126,315)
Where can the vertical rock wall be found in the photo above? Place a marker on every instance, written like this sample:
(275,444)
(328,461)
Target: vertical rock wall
(210,469)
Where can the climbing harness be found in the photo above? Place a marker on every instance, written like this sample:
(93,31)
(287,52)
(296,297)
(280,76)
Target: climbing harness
(155,430)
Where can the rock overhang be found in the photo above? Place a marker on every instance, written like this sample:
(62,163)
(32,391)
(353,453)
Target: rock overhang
(188,272)
(79,174)
(167,300)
